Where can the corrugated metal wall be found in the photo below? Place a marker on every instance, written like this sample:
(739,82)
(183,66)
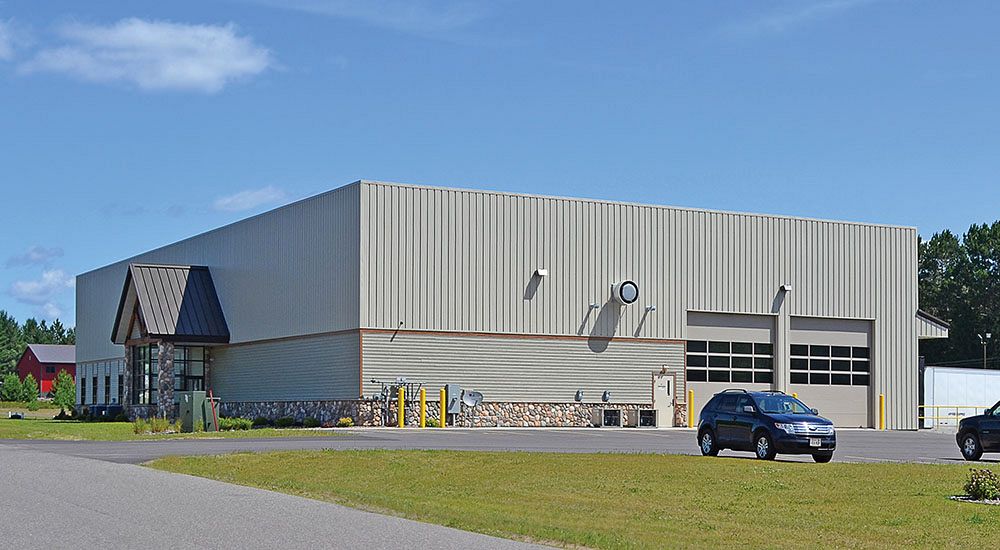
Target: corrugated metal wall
(288,272)
(459,260)
(522,369)
(316,367)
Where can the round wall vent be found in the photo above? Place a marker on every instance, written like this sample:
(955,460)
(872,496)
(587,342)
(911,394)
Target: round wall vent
(626,292)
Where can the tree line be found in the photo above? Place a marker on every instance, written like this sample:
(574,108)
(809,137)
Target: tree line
(15,337)
(959,282)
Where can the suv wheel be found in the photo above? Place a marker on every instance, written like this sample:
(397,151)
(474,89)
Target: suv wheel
(764,447)
(971,448)
(707,442)
(823,458)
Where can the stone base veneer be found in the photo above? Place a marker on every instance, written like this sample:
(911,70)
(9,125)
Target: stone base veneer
(495,414)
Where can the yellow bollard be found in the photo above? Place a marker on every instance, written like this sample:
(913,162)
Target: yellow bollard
(690,408)
(402,408)
(881,411)
(444,415)
(423,408)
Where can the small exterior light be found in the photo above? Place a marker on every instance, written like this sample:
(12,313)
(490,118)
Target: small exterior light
(606,396)
(541,272)
(595,305)
(787,287)
(579,395)
(651,307)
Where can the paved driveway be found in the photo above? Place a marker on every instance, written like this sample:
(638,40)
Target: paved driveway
(853,445)
(57,501)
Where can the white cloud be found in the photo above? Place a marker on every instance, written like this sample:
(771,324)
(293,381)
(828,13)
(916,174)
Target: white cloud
(801,13)
(42,291)
(154,55)
(50,311)
(413,16)
(251,198)
(35,255)
(6,41)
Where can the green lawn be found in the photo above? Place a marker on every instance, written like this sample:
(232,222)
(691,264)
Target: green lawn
(122,431)
(46,409)
(632,501)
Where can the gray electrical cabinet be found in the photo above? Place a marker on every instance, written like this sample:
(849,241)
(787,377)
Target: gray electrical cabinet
(453,393)
(195,411)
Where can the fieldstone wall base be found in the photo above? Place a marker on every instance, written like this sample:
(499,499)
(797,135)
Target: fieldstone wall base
(490,414)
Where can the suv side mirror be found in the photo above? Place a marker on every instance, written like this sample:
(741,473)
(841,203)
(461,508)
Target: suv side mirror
(815,411)
(748,409)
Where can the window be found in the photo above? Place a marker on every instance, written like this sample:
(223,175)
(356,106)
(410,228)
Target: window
(83,391)
(189,371)
(107,389)
(739,362)
(121,388)
(93,390)
(830,365)
(50,369)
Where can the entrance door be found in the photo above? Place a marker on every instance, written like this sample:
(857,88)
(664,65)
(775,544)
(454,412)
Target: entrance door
(663,399)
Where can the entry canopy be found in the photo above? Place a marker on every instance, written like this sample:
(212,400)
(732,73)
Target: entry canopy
(174,303)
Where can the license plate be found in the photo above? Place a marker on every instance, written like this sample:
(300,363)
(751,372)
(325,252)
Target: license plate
(815,442)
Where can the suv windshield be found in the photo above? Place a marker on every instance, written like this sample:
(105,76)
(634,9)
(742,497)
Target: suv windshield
(781,404)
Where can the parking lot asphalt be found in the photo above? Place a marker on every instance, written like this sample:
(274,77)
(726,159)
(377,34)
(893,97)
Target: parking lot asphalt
(56,501)
(852,445)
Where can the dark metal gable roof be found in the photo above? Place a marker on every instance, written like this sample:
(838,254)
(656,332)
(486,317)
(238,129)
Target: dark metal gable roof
(177,303)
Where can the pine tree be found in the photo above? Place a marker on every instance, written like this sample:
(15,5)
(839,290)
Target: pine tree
(29,389)
(12,388)
(64,391)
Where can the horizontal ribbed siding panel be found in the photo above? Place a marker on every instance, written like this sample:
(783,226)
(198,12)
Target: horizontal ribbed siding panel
(522,369)
(317,367)
(288,272)
(461,260)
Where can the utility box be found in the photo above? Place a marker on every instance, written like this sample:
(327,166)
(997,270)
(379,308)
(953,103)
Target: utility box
(632,418)
(195,411)
(647,418)
(453,392)
(606,418)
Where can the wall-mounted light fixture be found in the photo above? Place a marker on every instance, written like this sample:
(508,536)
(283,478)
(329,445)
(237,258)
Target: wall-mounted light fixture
(651,307)
(606,396)
(595,305)
(541,272)
(579,395)
(787,287)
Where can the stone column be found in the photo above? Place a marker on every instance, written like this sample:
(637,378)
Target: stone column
(127,381)
(165,381)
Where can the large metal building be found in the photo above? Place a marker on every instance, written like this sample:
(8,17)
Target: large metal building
(551,307)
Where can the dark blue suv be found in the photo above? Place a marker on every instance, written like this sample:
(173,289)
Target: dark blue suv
(765,423)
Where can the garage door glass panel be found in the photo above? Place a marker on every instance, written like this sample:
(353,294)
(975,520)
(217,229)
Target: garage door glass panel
(740,362)
(812,364)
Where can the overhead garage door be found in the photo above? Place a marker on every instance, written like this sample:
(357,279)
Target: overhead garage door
(728,351)
(830,368)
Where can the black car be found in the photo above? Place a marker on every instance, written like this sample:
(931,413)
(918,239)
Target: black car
(765,423)
(979,434)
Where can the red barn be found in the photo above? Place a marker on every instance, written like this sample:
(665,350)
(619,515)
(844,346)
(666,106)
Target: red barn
(44,361)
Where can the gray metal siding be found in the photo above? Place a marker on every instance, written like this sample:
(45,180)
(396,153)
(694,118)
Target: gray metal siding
(320,367)
(459,260)
(522,369)
(289,272)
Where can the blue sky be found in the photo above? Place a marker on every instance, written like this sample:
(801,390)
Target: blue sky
(129,125)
